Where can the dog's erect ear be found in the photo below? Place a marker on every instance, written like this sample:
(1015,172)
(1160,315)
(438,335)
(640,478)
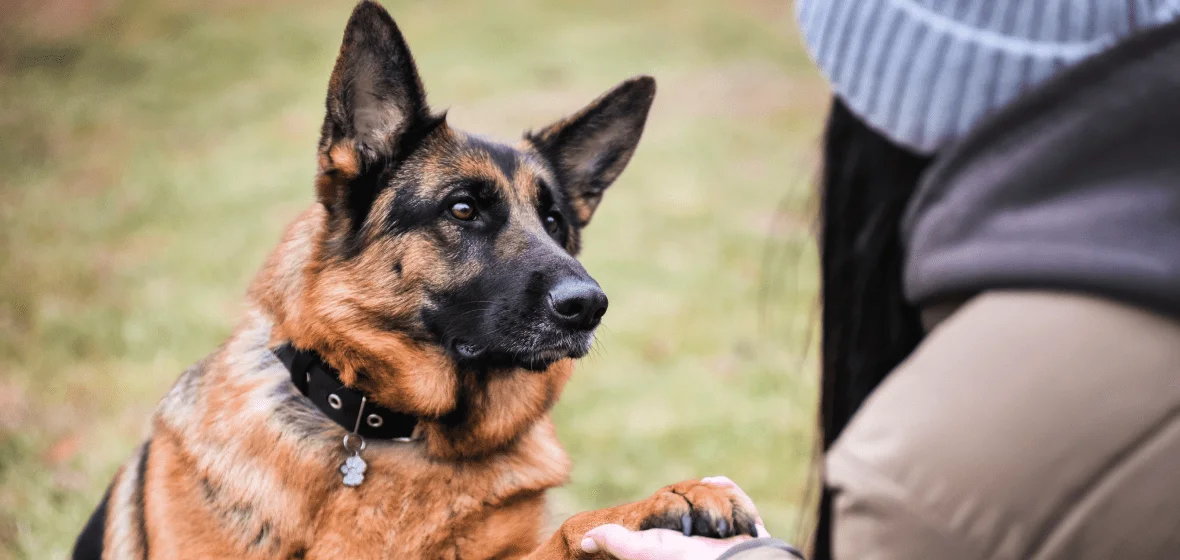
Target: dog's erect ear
(589,149)
(375,104)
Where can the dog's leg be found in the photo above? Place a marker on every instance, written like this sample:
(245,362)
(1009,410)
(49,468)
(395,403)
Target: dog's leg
(690,507)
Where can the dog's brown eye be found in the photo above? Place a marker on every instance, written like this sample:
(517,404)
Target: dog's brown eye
(462,211)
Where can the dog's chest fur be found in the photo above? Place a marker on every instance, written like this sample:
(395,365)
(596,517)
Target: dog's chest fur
(241,465)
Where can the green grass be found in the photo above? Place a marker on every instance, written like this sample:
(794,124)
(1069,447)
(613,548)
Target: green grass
(153,150)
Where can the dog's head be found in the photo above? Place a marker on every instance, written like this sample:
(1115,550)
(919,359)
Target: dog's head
(445,245)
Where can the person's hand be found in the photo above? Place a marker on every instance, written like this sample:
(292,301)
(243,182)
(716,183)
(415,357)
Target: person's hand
(662,544)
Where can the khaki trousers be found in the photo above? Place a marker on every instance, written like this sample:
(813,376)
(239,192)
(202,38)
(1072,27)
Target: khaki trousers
(1026,425)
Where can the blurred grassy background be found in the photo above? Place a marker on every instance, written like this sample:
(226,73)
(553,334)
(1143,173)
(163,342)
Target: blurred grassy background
(152,151)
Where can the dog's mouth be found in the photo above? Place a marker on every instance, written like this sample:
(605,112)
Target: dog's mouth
(532,357)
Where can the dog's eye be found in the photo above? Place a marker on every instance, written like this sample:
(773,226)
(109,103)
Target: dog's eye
(463,211)
(553,223)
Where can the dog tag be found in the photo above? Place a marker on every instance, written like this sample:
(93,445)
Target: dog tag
(354,467)
(354,471)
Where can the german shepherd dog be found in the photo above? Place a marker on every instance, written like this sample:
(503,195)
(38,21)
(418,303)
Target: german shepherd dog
(387,393)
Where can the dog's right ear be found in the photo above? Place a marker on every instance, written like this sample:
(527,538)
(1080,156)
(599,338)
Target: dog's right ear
(376,104)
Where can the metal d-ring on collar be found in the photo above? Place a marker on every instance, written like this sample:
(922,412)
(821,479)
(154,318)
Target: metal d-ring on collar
(348,407)
(373,420)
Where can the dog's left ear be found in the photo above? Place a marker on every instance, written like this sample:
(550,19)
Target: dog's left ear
(589,149)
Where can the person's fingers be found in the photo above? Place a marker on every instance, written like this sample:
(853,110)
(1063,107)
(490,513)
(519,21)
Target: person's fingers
(718,481)
(743,499)
(653,544)
(625,544)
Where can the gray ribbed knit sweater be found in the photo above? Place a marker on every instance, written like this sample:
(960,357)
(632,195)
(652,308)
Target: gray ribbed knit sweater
(924,72)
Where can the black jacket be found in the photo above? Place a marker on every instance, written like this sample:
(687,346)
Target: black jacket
(1075,186)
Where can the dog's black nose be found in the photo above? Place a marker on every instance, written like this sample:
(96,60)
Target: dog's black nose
(577,303)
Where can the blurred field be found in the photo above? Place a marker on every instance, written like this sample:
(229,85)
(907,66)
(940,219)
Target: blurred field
(151,152)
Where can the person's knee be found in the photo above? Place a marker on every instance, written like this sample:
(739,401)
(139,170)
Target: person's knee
(881,513)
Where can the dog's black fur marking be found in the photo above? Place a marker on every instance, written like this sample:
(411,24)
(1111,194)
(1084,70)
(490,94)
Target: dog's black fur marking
(137,498)
(90,542)
(409,212)
(504,157)
(548,201)
(263,537)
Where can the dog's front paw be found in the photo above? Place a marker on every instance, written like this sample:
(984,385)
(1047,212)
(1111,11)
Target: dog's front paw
(695,508)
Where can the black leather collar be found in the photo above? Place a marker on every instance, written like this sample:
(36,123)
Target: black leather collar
(349,408)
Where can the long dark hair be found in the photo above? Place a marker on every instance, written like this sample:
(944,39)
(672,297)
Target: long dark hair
(867,327)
